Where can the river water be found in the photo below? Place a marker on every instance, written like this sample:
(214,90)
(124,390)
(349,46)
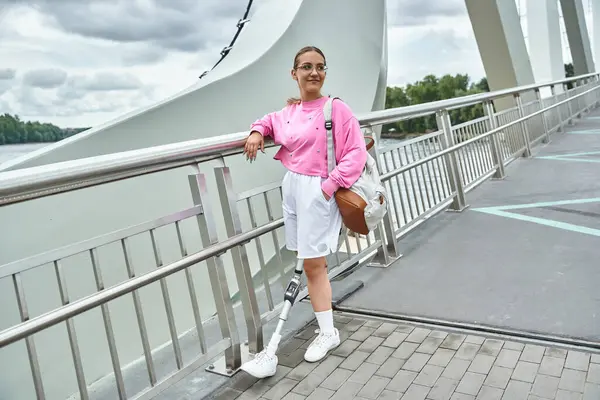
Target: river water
(10,151)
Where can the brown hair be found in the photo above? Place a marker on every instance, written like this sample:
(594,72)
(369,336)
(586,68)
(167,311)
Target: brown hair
(306,49)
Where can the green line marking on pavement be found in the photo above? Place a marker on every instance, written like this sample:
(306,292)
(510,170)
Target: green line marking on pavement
(573,157)
(500,211)
(588,132)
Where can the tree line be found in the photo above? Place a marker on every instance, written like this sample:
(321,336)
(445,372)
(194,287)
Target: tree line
(431,88)
(428,89)
(15,131)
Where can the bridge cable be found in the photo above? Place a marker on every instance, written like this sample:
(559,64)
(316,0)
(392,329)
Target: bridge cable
(227,49)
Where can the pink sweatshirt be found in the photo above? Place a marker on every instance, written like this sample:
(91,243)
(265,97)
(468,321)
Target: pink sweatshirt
(300,130)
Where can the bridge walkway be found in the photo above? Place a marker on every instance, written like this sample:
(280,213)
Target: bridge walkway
(496,302)
(387,359)
(522,256)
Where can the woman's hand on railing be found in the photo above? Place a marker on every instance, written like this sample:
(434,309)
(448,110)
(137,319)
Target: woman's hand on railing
(253,143)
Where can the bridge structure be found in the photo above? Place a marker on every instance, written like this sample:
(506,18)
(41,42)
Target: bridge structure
(138,265)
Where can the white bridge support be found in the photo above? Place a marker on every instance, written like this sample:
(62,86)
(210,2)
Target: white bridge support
(545,43)
(577,33)
(596,31)
(252,80)
(501,44)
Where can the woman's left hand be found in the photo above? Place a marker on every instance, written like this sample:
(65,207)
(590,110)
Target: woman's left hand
(325,195)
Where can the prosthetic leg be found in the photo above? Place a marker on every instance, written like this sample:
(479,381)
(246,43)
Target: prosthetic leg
(264,363)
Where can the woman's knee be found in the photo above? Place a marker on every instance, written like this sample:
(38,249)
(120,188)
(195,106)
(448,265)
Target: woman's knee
(315,267)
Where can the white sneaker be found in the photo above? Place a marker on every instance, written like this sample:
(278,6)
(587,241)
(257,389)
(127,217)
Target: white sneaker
(322,344)
(262,366)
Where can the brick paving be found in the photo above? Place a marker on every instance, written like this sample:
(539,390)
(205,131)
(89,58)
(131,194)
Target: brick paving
(389,361)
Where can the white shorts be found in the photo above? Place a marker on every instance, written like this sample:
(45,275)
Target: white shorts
(312,224)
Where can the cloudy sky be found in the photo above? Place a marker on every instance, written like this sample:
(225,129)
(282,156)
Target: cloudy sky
(81,63)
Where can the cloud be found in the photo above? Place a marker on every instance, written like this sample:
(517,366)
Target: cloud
(173,25)
(104,58)
(48,78)
(4,106)
(77,87)
(421,12)
(107,81)
(82,95)
(7,74)
(432,49)
(142,55)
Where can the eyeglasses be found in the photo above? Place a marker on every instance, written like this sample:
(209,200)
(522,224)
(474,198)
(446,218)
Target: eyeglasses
(307,67)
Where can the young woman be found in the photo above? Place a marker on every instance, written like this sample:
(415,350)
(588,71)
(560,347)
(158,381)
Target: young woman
(311,217)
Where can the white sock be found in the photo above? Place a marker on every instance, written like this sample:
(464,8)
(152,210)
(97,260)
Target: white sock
(325,320)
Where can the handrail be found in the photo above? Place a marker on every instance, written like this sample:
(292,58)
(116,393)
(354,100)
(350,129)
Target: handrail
(488,148)
(396,114)
(452,149)
(30,183)
(60,314)
(35,182)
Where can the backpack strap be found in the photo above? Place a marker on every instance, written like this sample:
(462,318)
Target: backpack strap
(327,112)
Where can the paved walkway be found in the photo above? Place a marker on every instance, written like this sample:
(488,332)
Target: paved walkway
(397,361)
(523,256)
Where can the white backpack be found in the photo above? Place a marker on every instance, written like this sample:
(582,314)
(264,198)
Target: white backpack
(368,187)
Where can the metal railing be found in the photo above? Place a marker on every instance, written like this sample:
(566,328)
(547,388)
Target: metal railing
(425,175)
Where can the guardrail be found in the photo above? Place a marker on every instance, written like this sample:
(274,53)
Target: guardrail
(30,183)
(424,176)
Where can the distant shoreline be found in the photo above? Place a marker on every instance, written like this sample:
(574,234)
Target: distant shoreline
(20,144)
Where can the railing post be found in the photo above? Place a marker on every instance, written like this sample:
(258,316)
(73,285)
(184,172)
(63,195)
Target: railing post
(524,129)
(589,99)
(579,109)
(538,95)
(569,108)
(496,155)
(595,95)
(456,183)
(218,278)
(241,265)
(558,109)
(388,252)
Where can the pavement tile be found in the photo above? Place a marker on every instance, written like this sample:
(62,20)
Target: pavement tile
(533,353)
(471,383)
(441,357)
(402,381)
(390,367)
(374,387)
(405,350)
(577,360)
(418,335)
(517,390)
(453,341)
(387,361)
(551,366)
(395,339)
(385,330)
(491,347)
(442,389)
(364,373)
(498,377)
(525,371)
(482,364)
